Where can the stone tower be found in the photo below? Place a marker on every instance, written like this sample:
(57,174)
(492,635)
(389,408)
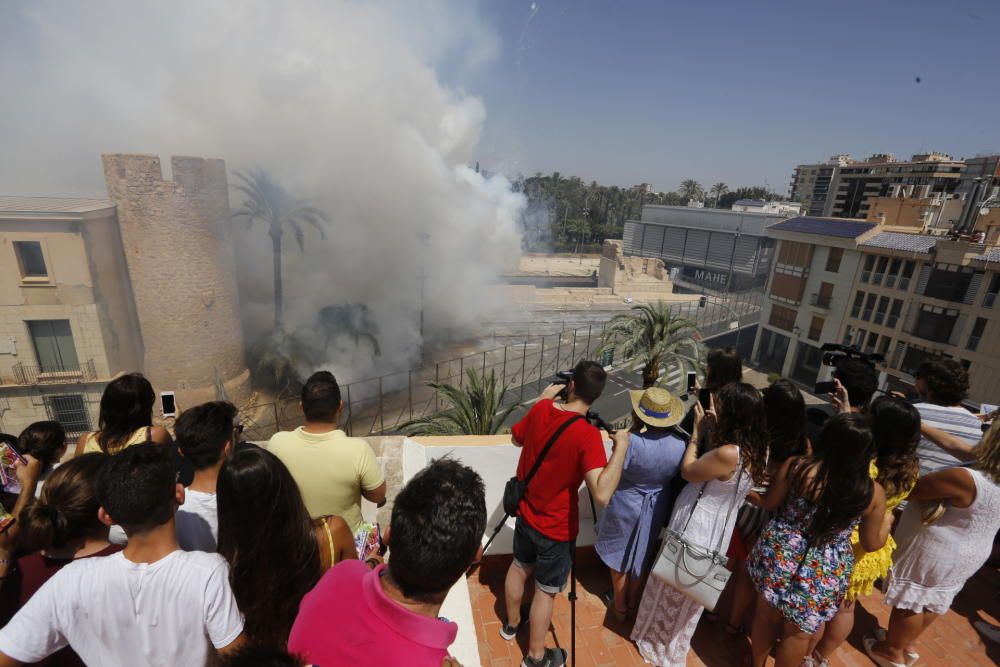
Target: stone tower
(179,250)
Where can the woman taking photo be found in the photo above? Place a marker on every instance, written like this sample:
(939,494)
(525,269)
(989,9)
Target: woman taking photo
(895,426)
(126,417)
(275,552)
(933,561)
(705,512)
(802,562)
(641,504)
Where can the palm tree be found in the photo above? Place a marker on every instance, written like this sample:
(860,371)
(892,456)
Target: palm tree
(266,200)
(691,190)
(718,190)
(476,409)
(650,336)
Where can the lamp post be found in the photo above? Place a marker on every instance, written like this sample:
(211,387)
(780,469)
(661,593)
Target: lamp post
(704,299)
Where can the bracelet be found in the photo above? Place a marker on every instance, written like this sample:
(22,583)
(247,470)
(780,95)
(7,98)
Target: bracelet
(372,563)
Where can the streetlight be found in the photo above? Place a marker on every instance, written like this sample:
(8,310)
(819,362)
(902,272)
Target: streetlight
(732,325)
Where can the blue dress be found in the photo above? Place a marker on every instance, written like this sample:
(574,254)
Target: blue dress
(641,505)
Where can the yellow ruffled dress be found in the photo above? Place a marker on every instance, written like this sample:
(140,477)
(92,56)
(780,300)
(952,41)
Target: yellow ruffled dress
(870,566)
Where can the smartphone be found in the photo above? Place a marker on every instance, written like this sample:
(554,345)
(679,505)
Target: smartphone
(168,404)
(705,398)
(825,387)
(9,460)
(692,381)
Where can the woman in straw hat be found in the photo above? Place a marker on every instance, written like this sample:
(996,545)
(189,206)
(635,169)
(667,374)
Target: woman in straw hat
(641,504)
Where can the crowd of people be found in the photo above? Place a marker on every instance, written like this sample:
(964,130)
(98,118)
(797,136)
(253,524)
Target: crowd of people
(808,511)
(196,547)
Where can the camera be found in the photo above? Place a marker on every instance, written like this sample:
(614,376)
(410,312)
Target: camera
(835,353)
(563,378)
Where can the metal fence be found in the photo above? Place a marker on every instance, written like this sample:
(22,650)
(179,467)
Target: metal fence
(381,405)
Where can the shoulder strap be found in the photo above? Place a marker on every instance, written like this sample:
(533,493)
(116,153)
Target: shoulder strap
(548,446)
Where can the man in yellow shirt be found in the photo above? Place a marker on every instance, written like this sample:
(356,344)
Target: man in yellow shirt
(332,470)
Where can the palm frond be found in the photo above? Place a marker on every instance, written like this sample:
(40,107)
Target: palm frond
(476,409)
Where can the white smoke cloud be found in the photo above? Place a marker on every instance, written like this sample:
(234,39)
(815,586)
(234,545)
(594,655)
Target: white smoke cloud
(339,101)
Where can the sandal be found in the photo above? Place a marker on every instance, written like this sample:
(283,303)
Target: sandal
(608,598)
(879,660)
(911,656)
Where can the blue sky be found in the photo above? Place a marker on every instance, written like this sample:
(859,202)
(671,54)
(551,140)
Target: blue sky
(737,91)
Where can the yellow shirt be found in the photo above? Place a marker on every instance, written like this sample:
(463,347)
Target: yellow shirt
(137,438)
(331,470)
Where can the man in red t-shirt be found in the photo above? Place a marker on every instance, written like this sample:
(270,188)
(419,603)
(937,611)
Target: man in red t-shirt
(548,516)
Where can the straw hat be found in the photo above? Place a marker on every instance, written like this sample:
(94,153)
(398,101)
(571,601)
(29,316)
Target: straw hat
(657,407)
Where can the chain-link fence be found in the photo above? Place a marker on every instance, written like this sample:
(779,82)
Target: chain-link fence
(381,405)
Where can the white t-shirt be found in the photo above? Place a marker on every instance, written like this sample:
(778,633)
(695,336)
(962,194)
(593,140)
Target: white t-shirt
(198,522)
(116,612)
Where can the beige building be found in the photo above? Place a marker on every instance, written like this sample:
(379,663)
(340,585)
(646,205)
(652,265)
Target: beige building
(66,321)
(143,281)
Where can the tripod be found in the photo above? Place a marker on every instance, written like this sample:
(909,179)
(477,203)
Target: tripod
(596,420)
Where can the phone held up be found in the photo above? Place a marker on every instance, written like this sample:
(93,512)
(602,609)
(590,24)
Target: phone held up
(825,387)
(168,404)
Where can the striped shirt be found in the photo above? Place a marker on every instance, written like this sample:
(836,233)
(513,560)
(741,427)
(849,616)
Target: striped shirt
(956,421)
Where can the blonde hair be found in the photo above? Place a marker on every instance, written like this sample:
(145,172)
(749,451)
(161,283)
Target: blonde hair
(988,452)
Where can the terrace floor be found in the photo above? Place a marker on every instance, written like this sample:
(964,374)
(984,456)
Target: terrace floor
(601,640)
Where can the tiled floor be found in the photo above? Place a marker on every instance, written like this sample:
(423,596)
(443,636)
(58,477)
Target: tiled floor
(951,641)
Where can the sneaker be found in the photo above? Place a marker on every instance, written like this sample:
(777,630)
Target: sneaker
(508,632)
(554,657)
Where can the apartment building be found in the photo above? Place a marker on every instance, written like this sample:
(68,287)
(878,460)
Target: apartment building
(844,188)
(808,292)
(66,321)
(917,296)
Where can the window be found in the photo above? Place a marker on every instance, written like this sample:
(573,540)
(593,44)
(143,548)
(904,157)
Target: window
(859,337)
(872,339)
(949,282)
(904,280)
(894,266)
(883,306)
(783,318)
(869,306)
(883,345)
(793,253)
(869,265)
(991,293)
(833,259)
(935,324)
(787,288)
(54,348)
(848,335)
(880,270)
(30,259)
(977,333)
(816,328)
(824,296)
(71,412)
(859,298)
(897,308)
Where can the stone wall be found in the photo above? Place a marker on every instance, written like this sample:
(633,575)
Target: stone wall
(178,248)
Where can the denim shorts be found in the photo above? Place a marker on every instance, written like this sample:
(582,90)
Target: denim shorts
(550,561)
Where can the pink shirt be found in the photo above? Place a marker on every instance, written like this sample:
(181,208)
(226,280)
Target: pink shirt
(347,619)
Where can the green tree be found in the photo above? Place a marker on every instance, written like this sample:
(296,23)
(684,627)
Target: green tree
(718,190)
(266,200)
(650,336)
(476,409)
(691,190)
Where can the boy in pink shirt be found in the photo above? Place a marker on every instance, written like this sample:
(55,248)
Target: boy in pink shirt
(389,615)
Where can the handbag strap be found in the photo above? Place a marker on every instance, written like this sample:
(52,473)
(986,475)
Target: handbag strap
(548,446)
(736,490)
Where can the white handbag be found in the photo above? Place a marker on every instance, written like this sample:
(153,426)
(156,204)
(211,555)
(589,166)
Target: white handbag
(696,571)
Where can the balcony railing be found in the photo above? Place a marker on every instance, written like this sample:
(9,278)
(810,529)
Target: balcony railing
(865,275)
(820,300)
(877,279)
(890,281)
(989,299)
(32,375)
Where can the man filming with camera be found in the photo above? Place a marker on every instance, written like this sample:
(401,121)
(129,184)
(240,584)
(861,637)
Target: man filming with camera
(548,514)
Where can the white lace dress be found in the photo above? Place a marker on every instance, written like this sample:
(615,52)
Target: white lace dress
(932,563)
(667,618)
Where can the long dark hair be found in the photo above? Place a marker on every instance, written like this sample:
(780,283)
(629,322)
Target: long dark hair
(840,487)
(895,428)
(722,366)
(43,440)
(126,407)
(785,411)
(67,508)
(267,536)
(740,408)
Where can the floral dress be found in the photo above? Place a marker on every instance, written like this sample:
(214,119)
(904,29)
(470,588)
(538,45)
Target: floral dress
(805,582)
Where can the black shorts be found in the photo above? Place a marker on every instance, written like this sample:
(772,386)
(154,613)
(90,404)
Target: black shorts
(549,560)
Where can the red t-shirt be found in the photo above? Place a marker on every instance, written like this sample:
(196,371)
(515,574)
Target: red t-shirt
(347,619)
(551,504)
